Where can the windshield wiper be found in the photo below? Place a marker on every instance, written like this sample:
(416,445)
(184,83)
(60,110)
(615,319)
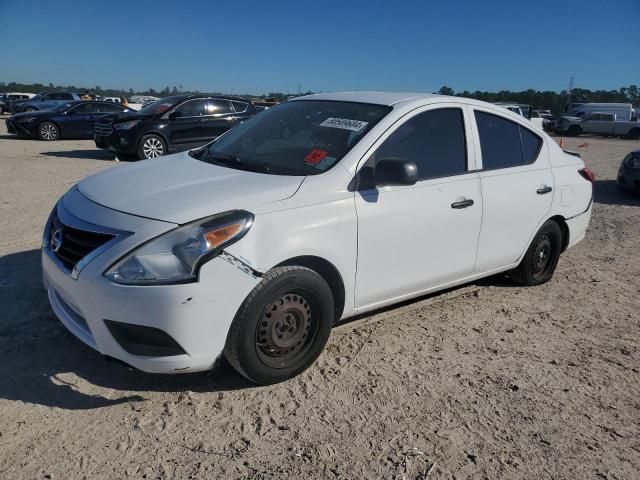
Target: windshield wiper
(236,162)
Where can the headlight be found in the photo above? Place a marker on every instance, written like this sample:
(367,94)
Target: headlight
(126,125)
(176,256)
(632,162)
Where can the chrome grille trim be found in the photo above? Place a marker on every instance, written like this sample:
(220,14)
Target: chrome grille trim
(69,220)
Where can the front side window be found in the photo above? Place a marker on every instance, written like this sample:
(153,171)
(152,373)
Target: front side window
(302,137)
(190,108)
(433,140)
(505,143)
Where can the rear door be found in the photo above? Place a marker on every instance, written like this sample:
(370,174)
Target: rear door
(517,187)
(411,238)
(601,123)
(219,117)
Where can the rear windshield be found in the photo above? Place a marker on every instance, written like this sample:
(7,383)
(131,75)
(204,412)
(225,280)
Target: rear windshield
(302,137)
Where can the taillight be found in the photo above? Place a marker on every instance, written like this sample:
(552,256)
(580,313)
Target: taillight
(587,174)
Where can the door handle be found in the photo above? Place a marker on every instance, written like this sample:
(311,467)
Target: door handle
(543,190)
(462,204)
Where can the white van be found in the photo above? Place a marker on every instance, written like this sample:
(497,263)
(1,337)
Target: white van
(622,111)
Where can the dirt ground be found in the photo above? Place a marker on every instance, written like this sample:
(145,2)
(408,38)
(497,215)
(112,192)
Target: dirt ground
(485,381)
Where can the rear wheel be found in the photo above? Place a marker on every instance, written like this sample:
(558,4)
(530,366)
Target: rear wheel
(48,131)
(574,131)
(151,146)
(634,134)
(541,259)
(282,326)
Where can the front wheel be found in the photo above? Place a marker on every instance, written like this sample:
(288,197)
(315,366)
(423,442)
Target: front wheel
(48,131)
(634,134)
(151,146)
(282,326)
(541,259)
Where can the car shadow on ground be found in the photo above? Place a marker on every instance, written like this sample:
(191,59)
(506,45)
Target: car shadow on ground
(37,353)
(607,192)
(90,154)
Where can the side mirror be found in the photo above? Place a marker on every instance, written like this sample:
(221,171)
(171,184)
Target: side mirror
(391,171)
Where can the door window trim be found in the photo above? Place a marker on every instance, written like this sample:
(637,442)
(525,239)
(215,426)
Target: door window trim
(468,135)
(478,144)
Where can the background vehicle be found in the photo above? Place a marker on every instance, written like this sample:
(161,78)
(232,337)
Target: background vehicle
(6,99)
(524,110)
(68,120)
(622,111)
(43,101)
(629,172)
(599,123)
(254,245)
(171,124)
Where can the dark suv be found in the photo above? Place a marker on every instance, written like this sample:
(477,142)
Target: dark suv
(171,124)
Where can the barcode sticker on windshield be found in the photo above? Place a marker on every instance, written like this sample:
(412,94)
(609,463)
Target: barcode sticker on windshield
(344,123)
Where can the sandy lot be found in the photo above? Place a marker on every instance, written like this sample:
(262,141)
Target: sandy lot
(485,381)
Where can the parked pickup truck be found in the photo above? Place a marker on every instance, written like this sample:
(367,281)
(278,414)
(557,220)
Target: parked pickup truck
(599,124)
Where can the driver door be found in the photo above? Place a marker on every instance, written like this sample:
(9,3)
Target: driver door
(412,238)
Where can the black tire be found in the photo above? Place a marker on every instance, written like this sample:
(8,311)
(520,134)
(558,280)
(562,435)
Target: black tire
(48,131)
(540,261)
(151,146)
(282,326)
(574,131)
(634,134)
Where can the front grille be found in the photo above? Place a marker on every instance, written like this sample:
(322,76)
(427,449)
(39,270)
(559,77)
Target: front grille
(70,244)
(103,129)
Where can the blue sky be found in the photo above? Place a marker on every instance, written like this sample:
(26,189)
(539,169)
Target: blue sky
(261,46)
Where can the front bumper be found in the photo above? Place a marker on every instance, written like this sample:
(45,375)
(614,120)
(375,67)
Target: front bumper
(197,316)
(19,128)
(629,178)
(118,141)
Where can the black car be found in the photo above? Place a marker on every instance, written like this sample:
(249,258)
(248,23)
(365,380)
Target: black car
(171,124)
(629,172)
(68,120)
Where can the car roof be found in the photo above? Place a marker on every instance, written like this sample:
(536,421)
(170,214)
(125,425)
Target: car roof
(215,95)
(378,98)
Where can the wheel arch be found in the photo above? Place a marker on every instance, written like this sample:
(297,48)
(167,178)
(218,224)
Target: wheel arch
(326,270)
(564,228)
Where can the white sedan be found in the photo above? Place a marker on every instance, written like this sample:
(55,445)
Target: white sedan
(318,209)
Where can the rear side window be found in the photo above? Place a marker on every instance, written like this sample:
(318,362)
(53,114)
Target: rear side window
(106,108)
(216,106)
(504,143)
(85,109)
(239,107)
(434,140)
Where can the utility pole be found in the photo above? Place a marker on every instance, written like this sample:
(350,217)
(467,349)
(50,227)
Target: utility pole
(570,91)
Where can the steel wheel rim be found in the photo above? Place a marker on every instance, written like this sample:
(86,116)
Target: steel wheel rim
(48,131)
(541,259)
(286,330)
(152,148)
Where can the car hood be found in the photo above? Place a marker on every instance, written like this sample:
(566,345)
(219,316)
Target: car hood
(179,189)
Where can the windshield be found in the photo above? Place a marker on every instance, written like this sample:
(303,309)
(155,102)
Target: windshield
(303,137)
(161,106)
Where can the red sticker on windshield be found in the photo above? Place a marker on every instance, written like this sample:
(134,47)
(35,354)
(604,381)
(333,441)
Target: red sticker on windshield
(314,156)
